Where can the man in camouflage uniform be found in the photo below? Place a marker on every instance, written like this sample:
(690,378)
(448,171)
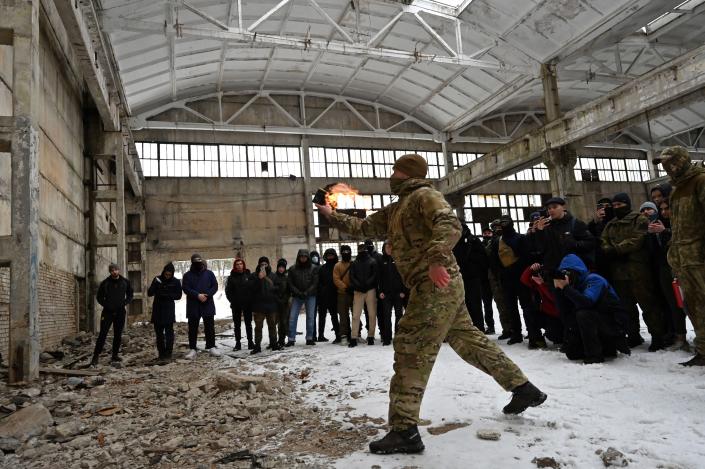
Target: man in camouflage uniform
(423,229)
(624,245)
(687,252)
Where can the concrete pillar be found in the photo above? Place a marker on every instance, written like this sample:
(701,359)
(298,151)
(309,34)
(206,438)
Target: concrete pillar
(560,163)
(447,157)
(650,155)
(308,194)
(23,19)
(551,101)
(113,145)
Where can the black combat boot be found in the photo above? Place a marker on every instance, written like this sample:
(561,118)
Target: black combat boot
(697,360)
(94,361)
(321,338)
(635,341)
(524,396)
(352,343)
(537,344)
(289,344)
(238,346)
(403,441)
(256,349)
(337,339)
(490,331)
(311,342)
(656,344)
(250,345)
(504,335)
(515,339)
(370,341)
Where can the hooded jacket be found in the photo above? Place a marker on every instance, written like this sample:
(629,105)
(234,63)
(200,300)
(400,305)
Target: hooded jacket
(303,277)
(687,208)
(566,236)
(364,272)
(326,286)
(281,282)
(196,281)
(471,255)
(390,282)
(264,291)
(624,244)
(238,287)
(165,293)
(114,294)
(592,291)
(421,226)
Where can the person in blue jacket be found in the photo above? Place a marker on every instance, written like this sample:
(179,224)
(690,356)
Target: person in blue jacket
(166,289)
(595,320)
(200,285)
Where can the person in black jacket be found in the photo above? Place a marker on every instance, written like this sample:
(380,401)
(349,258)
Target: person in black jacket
(264,304)
(472,260)
(280,279)
(603,215)
(238,291)
(391,292)
(114,294)
(166,289)
(561,234)
(487,293)
(303,285)
(363,280)
(328,297)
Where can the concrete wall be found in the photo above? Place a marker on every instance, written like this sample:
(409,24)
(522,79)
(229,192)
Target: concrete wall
(4,312)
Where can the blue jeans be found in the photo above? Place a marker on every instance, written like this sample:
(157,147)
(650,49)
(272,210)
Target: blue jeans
(296,303)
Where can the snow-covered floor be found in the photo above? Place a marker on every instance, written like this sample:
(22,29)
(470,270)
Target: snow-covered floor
(646,406)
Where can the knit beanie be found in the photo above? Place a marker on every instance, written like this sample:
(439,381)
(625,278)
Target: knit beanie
(622,197)
(282,263)
(412,165)
(263,259)
(169,268)
(648,205)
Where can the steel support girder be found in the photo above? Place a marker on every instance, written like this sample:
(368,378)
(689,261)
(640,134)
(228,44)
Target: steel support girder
(337,47)
(664,89)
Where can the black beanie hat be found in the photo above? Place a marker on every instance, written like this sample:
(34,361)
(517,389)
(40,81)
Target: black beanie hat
(263,259)
(605,200)
(622,197)
(169,268)
(282,263)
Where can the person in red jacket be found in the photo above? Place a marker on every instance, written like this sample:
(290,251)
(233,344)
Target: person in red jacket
(545,314)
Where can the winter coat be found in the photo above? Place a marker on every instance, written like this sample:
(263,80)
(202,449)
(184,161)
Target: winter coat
(421,226)
(592,291)
(114,294)
(326,286)
(303,278)
(687,212)
(165,293)
(238,289)
(197,282)
(281,282)
(471,256)
(623,242)
(390,282)
(364,273)
(566,236)
(548,300)
(517,243)
(341,276)
(264,292)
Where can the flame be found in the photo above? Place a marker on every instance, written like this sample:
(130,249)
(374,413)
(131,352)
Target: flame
(342,195)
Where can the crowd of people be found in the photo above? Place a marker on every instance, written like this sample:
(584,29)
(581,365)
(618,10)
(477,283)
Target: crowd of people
(577,285)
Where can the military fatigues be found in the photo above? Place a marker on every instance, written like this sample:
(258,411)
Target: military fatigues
(623,243)
(687,252)
(423,229)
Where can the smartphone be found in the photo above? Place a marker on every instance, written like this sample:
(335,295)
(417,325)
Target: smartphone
(320,197)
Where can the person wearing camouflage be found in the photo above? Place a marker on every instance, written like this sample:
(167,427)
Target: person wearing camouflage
(687,252)
(422,228)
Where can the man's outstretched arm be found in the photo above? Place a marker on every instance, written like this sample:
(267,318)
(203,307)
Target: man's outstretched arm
(374,226)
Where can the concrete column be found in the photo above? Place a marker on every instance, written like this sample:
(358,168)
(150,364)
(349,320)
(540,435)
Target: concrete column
(560,163)
(113,144)
(650,155)
(308,193)
(447,157)
(551,101)
(23,19)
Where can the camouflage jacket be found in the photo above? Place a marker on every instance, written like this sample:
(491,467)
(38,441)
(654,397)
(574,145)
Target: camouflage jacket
(688,211)
(624,245)
(421,227)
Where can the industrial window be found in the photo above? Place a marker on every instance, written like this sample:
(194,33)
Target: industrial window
(364,163)
(337,162)
(535,173)
(371,203)
(461,159)
(681,9)
(612,169)
(383,162)
(481,209)
(182,160)
(361,164)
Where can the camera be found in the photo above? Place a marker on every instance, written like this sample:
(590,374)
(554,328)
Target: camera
(320,197)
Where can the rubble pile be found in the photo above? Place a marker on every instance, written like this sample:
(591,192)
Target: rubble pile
(204,413)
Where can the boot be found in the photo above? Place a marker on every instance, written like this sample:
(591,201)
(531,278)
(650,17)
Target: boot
(250,345)
(94,361)
(352,343)
(635,341)
(289,344)
(116,359)
(386,342)
(399,441)
(321,338)
(697,360)
(505,335)
(680,343)
(256,349)
(310,342)
(370,341)
(524,396)
(537,344)
(515,339)
(337,339)
(490,331)
(656,344)
(593,360)
(238,346)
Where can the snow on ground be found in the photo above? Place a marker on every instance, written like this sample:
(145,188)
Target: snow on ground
(646,406)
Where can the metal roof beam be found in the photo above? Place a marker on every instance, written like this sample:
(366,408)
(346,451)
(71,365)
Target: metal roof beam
(266,16)
(659,92)
(330,20)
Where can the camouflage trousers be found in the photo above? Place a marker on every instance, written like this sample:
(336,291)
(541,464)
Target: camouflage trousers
(432,316)
(505,318)
(692,280)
